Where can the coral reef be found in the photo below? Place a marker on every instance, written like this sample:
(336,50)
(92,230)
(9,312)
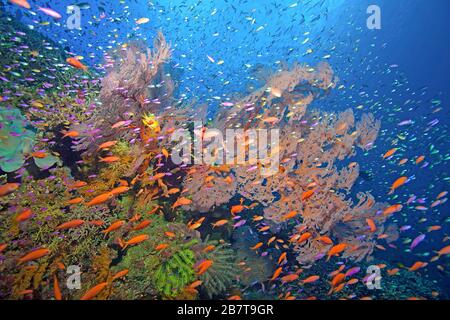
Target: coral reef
(117,205)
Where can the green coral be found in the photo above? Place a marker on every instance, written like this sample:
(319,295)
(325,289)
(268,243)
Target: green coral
(146,278)
(15,139)
(172,276)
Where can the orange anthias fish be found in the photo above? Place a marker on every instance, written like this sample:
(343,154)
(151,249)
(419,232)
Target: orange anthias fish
(119,124)
(173,191)
(74,62)
(393,272)
(219,223)
(144,224)
(238,208)
(8,188)
(91,293)
(389,153)
(107,144)
(258,218)
(136,240)
(34,255)
(282,258)
(444,251)
(70,225)
(116,225)
(161,246)
(228,180)
(70,134)
(181,202)
(434,228)
(372,225)
(392,209)
(335,250)
(305,236)
(441,195)
(159,176)
(307,194)
(397,184)
(3,246)
(257,246)
(170,234)
(209,248)
(311,279)
(289,215)
(110,159)
(195,284)
(325,240)
(78,184)
(120,274)
(119,190)
(24,215)
(418,265)
(39,154)
(204,266)
(100,199)
(56,290)
(75,201)
(420,159)
(337,279)
(276,274)
(289,278)
(21,3)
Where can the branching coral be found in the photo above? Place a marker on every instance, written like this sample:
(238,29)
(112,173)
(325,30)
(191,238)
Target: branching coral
(218,278)
(134,86)
(308,182)
(211,181)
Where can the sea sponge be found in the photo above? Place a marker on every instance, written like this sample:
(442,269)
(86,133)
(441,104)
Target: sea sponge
(15,139)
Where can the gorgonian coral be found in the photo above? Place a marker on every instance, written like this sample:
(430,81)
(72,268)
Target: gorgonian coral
(308,183)
(135,85)
(218,183)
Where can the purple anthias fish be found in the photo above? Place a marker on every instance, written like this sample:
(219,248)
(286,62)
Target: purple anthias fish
(50,12)
(352,271)
(239,224)
(411,199)
(405,123)
(405,228)
(417,240)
